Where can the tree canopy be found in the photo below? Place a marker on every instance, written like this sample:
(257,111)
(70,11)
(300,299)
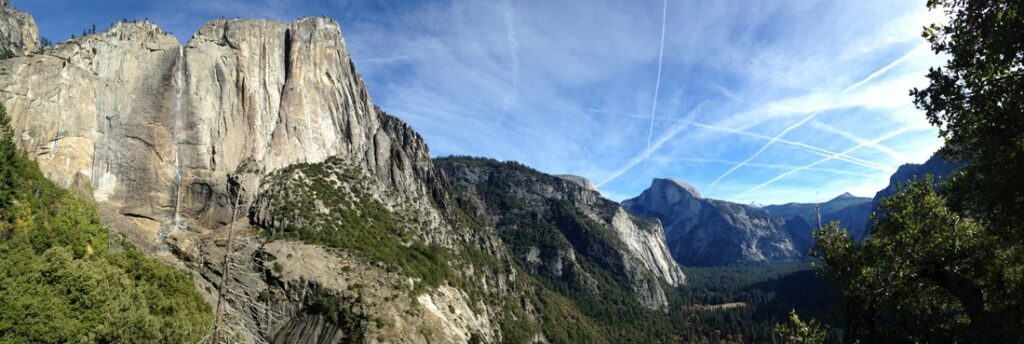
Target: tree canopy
(946,263)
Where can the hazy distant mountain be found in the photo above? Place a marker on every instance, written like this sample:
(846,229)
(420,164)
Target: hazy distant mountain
(852,212)
(703,232)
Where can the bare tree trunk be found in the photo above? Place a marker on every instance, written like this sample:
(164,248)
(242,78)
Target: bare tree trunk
(226,271)
(817,215)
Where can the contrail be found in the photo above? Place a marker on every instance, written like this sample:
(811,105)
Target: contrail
(862,145)
(763,148)
(856,139)
(853,86)
(636,160)
(389,59)
(513,48)
(806,147)
(922,48)
(769,166)
(809,148)
(657,82)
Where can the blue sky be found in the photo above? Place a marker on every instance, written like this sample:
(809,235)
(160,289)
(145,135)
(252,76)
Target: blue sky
(767,101)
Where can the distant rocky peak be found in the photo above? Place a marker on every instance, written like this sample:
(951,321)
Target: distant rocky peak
(704,232)
(674,189)
(845,195)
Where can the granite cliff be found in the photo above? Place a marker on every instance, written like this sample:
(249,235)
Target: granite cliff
(156,127)
(175,141)
(19,35)
(565,232)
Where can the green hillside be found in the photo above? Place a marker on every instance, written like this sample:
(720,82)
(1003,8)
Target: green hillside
(62,282)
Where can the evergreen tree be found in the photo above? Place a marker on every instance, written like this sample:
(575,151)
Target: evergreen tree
(8,169)
(800,332)
(977,102)
(948,265)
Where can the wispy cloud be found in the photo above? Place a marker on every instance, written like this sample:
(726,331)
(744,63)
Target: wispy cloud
(513,51)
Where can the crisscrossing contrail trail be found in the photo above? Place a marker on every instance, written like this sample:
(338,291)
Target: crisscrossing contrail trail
(878,73)
(657,82)
(819,162)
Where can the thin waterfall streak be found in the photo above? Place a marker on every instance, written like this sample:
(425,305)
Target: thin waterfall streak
(178,92)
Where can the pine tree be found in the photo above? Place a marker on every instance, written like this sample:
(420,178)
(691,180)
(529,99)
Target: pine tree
(8,168)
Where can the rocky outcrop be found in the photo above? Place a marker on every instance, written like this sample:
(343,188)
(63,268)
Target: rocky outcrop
(703,232)
(293,292)
(646,240)
(561,231)
(19,35)
(579,180)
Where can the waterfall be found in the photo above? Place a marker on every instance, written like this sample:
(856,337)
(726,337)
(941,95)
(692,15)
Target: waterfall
(179,85)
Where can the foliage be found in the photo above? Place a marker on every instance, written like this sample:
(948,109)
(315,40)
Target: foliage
(800,332)
(948,265)
(329,204)
(9,169)
(922,275)
(976,102)
(61,284)
(768,293)
(343,313)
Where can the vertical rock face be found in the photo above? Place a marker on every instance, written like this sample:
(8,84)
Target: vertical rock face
(705,232)
(157,128)
(19,35)
(565,233)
